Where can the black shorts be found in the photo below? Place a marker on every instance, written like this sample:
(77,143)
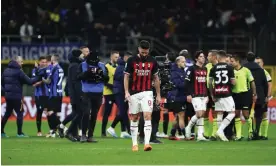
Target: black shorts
(243,101)
(42,101)
(178,107)
(190,110)
(168,106)
(55,104)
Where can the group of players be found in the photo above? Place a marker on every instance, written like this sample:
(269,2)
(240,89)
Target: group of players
(225,85)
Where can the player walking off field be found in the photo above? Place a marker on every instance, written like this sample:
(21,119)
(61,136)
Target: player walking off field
(223,76)
(197,94)
(140,71)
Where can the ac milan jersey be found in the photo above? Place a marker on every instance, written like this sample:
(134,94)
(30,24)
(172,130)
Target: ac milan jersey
(196,77)
(141,73)
(222,74)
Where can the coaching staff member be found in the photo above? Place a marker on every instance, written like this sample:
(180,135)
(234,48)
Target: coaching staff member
(12,81)
(92,75)
(261,89)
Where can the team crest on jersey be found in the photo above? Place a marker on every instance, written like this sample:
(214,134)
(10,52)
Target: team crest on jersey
(148,64)
(143,65)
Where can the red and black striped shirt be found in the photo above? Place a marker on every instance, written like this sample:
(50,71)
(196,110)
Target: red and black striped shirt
(197,84)
(141,73)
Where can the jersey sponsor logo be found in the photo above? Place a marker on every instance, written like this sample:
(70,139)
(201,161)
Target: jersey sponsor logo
(142,72)
(222,89)
(200,79)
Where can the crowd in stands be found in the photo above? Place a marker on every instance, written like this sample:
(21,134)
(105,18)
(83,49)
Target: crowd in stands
(91,19)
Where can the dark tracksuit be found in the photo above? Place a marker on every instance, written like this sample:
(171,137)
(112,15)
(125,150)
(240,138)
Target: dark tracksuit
(119,92)
(262,90)
(92,96)
(177,96)
(12,81)
(41,99)
(75,93)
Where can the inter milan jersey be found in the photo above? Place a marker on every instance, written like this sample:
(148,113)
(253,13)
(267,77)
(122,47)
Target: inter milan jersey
(196,77)
(56,77)
(141,73)
(222,74)
(42,89)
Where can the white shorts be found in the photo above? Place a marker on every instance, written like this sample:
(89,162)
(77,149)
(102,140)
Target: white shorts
(141,102)
(226,104)
(199,103)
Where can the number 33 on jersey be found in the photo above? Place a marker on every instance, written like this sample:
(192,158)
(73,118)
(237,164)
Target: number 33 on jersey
(222,74)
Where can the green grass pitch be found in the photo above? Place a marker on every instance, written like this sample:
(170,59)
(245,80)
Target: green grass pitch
(109,151)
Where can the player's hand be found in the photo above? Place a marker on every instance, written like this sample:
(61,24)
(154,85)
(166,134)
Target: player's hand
(158,99)
(189,99)
(36,64)
(36,84)
(207,100)
(255,98)
(214,99)
(127,96)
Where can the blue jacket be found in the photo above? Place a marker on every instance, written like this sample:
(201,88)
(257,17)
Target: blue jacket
(177,78)
(118,84)
(89,87)
(13,79)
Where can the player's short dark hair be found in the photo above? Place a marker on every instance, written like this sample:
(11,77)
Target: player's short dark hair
(197,54)
(128,53)
(144,44)
(222,53)
(82,47)
(236,57)
(250,56)
(41,58)
(114,52)
(171,56)
(229,55)
(259,58)
(48,58)
(213,51)
(184,53)
(56,57)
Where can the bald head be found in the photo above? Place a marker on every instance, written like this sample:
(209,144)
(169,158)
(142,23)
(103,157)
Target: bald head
(18,59)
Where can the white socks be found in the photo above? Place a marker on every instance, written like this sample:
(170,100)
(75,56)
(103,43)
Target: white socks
(219,119)
(61,126)
(134,132)
(226,121)
(147,131)
(200,127)
(192,122)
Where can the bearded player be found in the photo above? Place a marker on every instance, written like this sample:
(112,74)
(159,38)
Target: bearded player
(140,71)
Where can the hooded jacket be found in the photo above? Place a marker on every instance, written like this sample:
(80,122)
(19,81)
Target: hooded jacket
(12,81)
(74,85)
(178,79)
(260,81)
(118,84)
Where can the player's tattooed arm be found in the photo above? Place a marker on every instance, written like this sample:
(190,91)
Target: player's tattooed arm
(157,88)
(253,86)
(46,81)
(126,86)
(211,88)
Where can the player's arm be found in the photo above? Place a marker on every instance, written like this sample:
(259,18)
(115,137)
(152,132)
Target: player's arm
(128,70)
(232,75)
(49,78)
(210,83)
(269,82)
(252,83)
(188,80)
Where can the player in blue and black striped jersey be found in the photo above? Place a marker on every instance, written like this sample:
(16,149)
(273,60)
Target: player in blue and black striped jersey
(41,93)
(55,101)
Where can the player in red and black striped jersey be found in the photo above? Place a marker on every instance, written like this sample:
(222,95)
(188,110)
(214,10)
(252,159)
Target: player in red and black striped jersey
(223,77)
(197,94)
(140,71)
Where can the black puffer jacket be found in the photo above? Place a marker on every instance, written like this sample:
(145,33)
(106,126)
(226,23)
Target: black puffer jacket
(74,85)
(260,81)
